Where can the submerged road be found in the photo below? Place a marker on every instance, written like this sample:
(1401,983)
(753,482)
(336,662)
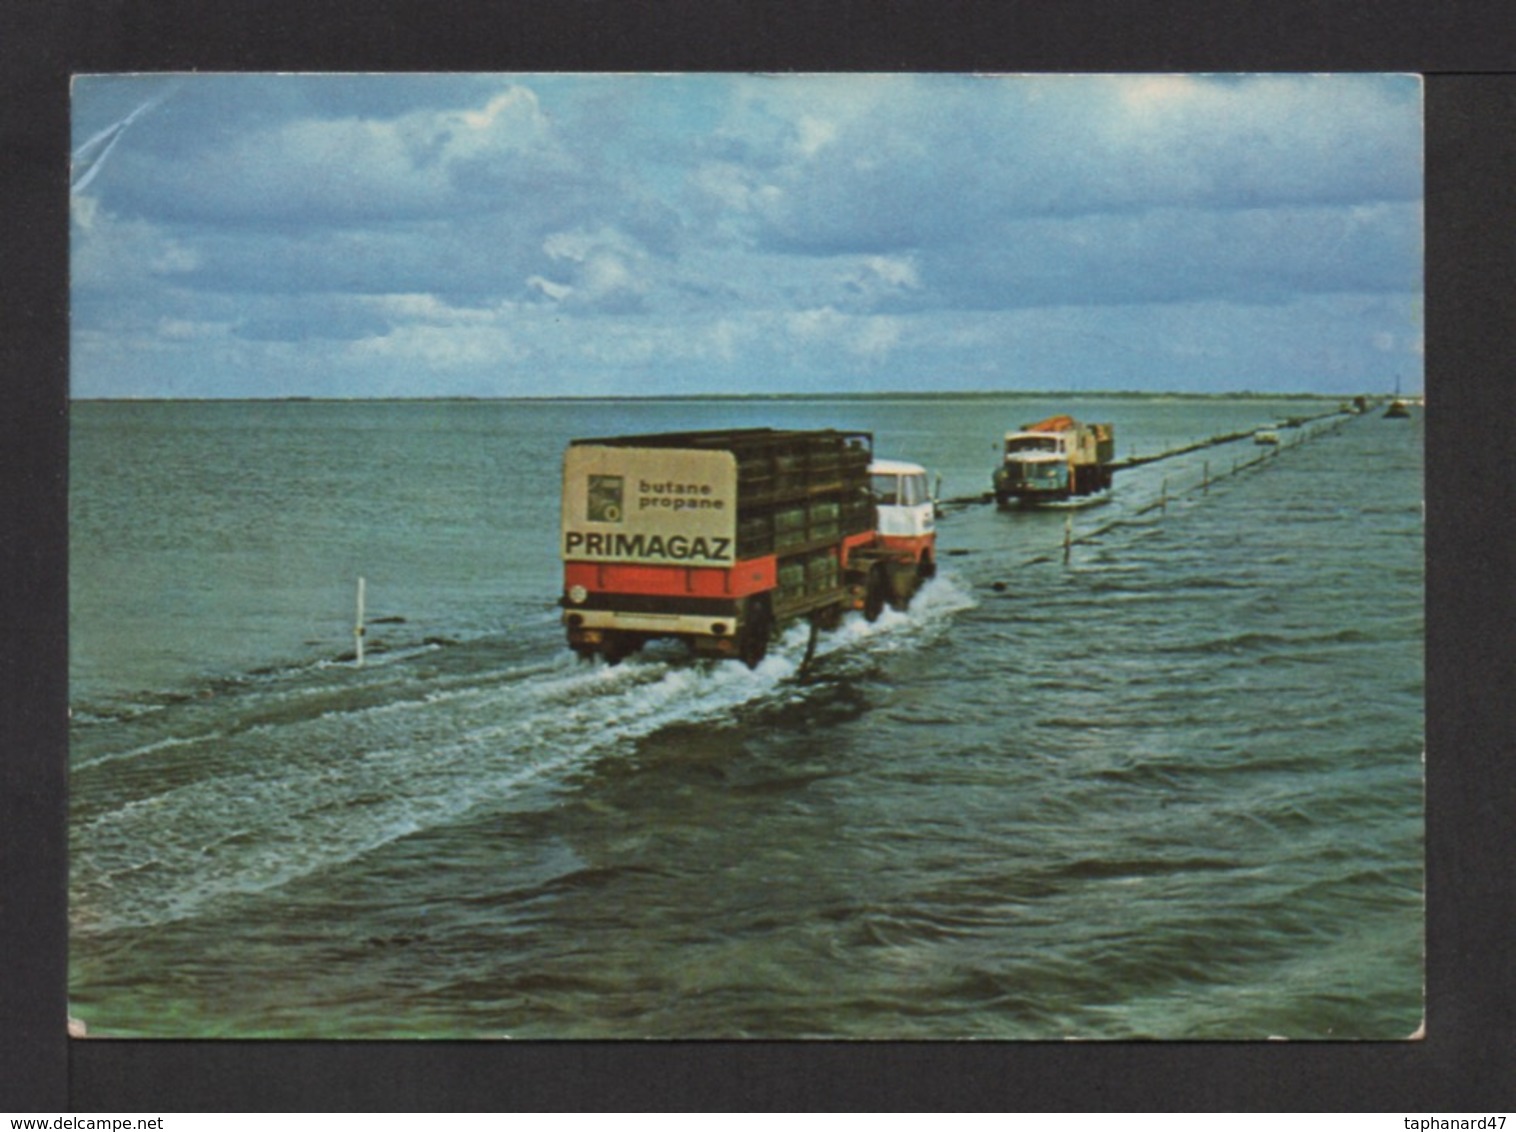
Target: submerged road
(1139,461)
(1214,441)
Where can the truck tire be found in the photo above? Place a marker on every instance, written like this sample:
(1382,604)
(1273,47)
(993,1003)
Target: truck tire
(877,593)
(903,581)
(753,645)
(620,646)
(906,582)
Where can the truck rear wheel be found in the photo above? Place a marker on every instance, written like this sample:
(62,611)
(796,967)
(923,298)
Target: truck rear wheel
(753,645)
(620,646)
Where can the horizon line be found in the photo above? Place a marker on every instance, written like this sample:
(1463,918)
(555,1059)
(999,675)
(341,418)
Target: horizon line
(963,394)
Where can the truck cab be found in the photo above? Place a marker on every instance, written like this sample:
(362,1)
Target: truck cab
(907,512)
(907,521)
(1036,466)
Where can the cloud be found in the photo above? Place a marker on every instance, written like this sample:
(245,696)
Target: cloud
(340,319)
(909,172)
(580,232)
(461,200)
(312,171)
(603,270)
(108,251)
(1170,255)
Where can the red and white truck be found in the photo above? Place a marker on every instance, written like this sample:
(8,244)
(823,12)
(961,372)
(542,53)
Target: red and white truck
(719,538)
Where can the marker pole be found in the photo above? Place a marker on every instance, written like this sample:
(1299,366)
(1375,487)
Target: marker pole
(358,626)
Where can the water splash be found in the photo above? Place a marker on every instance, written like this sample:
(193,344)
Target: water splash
(258,804)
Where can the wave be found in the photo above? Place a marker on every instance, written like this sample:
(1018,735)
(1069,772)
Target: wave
(328,774)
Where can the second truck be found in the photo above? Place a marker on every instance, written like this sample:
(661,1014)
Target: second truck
(719,538)
(1054,460)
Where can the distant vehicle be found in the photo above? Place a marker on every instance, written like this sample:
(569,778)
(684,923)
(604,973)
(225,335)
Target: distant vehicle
(719,538)
(1055,459)
(1265,436)
(1398,409)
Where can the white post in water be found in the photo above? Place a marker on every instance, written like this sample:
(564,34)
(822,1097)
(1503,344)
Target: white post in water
(358,627)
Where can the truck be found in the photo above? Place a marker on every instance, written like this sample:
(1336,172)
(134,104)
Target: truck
(720,538)
(1055,459)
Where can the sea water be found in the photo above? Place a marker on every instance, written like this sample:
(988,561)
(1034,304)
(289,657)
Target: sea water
(1166,783)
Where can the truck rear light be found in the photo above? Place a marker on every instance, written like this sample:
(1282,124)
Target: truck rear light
(577,594)
(574,620)
(718,627)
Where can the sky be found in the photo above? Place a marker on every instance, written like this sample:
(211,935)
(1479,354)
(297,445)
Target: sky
(260,235)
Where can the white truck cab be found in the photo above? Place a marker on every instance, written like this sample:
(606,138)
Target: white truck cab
(906,507)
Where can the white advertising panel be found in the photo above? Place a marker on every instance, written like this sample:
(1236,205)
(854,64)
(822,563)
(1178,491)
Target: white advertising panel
(658,506)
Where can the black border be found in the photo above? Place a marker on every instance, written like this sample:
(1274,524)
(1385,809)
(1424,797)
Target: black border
(1465,47)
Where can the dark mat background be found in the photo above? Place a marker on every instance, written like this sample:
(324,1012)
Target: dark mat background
(1467,50)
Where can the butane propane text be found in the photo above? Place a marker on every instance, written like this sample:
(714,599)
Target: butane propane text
(674,496)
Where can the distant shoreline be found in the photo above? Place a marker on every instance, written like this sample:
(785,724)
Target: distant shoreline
(935,395)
